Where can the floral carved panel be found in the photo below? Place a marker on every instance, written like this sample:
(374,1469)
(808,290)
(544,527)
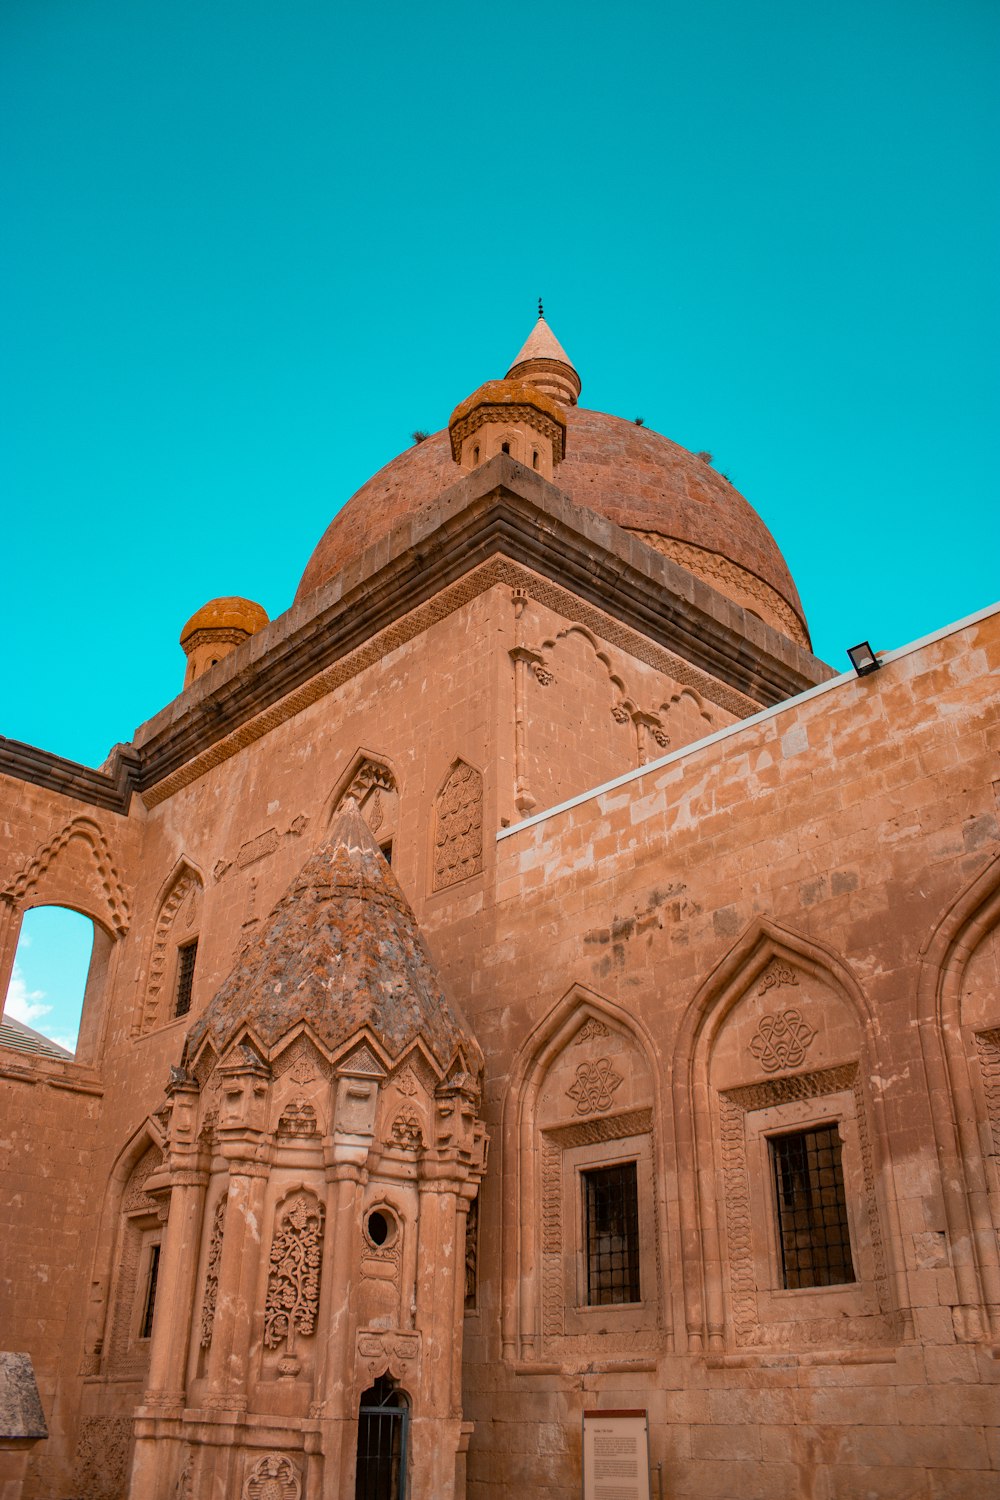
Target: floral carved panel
(458,827)
(292,1303)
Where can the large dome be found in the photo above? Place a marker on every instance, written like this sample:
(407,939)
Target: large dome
(671,499)
(656,489)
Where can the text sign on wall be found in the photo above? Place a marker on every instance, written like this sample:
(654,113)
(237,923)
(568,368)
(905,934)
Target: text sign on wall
(615,1455)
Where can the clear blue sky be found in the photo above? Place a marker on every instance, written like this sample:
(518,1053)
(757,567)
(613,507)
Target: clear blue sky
(248,248)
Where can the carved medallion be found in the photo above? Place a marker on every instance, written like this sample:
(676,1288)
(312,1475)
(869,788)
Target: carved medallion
(406,1083)
(595,1086)
(273,1477)
(781,1040)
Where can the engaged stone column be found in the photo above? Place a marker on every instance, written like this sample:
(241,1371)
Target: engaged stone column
(245,1087)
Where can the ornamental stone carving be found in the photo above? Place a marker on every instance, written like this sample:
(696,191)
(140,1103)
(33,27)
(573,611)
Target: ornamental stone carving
(292,1301)
(406,1130)
(273,1477)
(212,1272)
(591,1029)
(594,1088)
(776,975)
(781,1040)
(458,839)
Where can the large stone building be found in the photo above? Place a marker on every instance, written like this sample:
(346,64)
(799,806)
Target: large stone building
(526,982)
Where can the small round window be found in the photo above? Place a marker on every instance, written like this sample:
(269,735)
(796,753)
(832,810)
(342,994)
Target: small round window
(381,1226)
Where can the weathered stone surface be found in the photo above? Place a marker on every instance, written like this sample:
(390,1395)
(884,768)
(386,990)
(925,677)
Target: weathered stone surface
(341,952)
(21,1417)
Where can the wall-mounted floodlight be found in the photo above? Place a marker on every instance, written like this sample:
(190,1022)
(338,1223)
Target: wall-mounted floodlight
(863,659)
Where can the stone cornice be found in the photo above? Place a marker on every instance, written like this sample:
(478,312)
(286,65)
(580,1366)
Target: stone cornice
(500,513)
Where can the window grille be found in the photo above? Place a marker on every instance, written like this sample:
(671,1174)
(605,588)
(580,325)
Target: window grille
(185,977)
(611,1223)
(383,1424)
(149,1306)
(813,1231)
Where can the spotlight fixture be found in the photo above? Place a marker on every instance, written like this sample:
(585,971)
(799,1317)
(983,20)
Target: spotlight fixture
(863,659)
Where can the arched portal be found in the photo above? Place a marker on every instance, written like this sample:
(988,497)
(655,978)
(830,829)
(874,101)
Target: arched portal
(383,1423)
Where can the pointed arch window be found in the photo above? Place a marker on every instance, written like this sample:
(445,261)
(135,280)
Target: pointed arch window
(171,989)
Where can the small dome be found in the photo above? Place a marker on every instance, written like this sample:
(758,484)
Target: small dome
(505,393)
(231,613)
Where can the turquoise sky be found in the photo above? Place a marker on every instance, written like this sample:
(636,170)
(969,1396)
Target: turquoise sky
(248,248)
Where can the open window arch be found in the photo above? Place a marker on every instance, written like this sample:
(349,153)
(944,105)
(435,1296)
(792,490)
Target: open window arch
(959,1029)
(780,1040)
(129,1226)
(583,1099)
(372,783)
(169,990)
(74,869)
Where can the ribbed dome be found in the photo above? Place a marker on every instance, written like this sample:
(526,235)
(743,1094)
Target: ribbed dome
(644,482)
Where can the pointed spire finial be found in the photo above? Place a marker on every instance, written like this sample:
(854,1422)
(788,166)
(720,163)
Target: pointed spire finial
(544,363)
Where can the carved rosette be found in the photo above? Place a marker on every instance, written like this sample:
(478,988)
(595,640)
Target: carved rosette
(594,1087)
(273,1477)
(292,1303)
(781,1040)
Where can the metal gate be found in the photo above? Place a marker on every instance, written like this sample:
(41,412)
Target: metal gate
(383,1424)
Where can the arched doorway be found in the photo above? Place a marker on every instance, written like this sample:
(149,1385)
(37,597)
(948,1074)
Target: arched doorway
(383,1421)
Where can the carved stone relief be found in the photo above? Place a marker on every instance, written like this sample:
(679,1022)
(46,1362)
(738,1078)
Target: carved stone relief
(89,833)
(734,1104)
(472,1256)
(292,1303)
(389,1349)
(100,1465)
(298,1119)
(273,1477)
(138,1212)
(988,1048)
(781,1040)
(775,976)
(182,898)
(458,838)
(260,847)
(406,1130)
(212,1272)
(590,1031)
(554,1143)
(594,1087)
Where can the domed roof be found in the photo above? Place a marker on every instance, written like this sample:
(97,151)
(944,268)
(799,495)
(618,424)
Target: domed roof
(231,613)
(630,474)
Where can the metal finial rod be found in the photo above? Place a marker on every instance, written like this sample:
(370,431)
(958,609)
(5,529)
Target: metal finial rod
(541,310)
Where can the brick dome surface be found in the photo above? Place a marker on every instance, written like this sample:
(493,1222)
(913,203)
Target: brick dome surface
(634,476)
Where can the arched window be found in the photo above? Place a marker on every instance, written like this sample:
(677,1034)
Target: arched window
(171,981)
(56,959)
(383,1423)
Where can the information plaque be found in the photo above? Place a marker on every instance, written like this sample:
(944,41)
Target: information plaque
(615,1455)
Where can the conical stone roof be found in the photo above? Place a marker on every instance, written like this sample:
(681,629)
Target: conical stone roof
(342,952)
